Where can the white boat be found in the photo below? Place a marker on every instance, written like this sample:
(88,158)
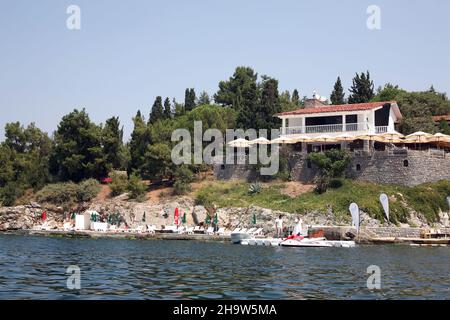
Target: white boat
(237,237)
(316,242)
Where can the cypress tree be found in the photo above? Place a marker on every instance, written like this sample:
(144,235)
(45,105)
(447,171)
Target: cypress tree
(337,96)
(157,112)
(295,97)
(167,109)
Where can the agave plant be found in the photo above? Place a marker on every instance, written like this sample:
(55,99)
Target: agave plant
(255,188)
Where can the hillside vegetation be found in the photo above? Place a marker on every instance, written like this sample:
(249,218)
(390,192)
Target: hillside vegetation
(426,199)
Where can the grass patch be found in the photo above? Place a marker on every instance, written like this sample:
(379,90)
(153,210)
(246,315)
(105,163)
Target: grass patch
(426,199)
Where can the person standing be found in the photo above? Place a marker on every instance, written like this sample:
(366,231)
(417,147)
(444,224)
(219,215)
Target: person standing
(279,226)
(298,227)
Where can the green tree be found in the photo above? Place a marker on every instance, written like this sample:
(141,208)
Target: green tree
(241,92)
(112,139)
(203,99)
(337,96)
(444,127)
(167,109)
(140,139)
(136,187)
(78,153)
(158,162)
(157,112)
(389,92)
(189,99)
(362,89)
(183,177)
(269,106)
(295,98)
(331,164)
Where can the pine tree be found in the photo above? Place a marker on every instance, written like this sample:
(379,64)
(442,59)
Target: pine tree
(337,96)
(167,109)
(157,112)
(112,137)
(362,89)
(203,99)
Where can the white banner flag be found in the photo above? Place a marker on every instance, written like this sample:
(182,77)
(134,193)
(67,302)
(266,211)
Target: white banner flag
(354,211)
(384,199)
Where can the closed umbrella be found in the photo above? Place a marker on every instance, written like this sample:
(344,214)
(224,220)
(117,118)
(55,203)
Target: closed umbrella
(143,217)
(208,219)
(216,219)
(44,215)
(183,220)
(254,219)
(176,216)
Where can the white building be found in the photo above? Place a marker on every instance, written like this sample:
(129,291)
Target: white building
(355,119)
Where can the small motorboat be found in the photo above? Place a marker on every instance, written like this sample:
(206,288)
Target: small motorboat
(315,242)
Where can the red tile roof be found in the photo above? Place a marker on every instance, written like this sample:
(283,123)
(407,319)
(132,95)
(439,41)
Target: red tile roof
(337,108)
(444,117)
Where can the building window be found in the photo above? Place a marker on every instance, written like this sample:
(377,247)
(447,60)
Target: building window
(222,167)
(405,163)
(358,167)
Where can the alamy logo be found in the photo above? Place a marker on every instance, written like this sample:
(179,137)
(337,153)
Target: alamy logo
(374,280)
(374,19)
(192,151)
(74,279)
(73,22)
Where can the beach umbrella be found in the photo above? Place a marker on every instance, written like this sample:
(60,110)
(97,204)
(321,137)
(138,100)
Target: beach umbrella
(324,138)
(44,215)
(239,143)
(260,140)
(176,216)
(183,220)
(418,137)
(301,138)
(283,140)
(392,134)
(439,137)
(345,137)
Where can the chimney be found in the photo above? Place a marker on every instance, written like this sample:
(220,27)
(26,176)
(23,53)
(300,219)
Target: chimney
(315,102)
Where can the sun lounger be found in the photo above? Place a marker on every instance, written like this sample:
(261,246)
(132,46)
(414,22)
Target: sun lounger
(199,229)
(251,230)
(151,229)
(181,230)
(258,232)
(210,231)
(190,230)
(236,230)
(221,231)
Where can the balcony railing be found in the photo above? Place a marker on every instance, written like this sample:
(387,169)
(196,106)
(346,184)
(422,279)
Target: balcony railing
(381,129)
(329,128)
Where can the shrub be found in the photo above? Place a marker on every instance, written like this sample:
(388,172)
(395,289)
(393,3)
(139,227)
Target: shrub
(183,177)
(335,183)
(136,188)
(331,164)
(88,190)
(119,184)
(68,192)
(10,192)
(254,188)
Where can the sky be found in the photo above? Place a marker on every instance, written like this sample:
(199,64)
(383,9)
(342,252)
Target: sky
(128,52)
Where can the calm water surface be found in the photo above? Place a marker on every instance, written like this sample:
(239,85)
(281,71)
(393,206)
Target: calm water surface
(34,268)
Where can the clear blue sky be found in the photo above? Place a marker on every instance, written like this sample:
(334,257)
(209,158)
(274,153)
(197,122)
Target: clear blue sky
(128,52)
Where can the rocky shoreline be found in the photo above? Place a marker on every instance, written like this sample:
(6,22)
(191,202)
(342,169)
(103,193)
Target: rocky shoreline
(25,219)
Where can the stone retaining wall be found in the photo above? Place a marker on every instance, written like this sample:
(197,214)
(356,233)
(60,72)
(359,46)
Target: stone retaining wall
(405,167)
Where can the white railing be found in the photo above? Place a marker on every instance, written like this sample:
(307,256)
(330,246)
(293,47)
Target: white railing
(381,129)
(329,128)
